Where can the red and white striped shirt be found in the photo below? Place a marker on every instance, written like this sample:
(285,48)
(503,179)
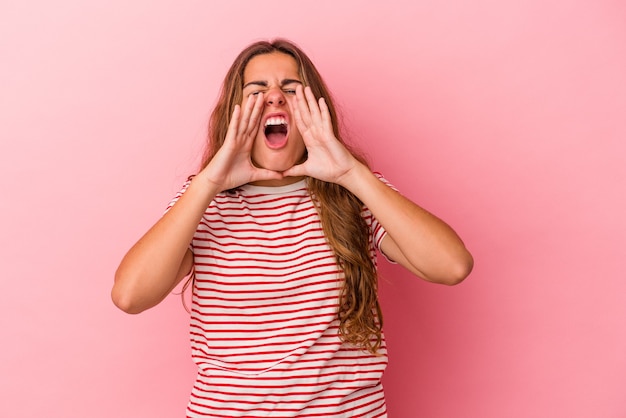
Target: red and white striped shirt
(264,327)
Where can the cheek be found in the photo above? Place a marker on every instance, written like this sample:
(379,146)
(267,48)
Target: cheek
(299,147)
(296,137)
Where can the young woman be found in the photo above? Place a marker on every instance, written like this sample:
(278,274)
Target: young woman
(278,232)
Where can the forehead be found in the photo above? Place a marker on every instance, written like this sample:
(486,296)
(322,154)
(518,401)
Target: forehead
(275,65)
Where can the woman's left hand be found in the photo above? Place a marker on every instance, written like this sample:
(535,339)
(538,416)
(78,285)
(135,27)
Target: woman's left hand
(328,159)
(416,239)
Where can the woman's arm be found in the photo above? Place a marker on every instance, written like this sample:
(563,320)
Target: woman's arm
(416,239)
(160,259)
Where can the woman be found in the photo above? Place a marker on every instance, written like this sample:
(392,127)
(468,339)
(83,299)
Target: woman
(278,231)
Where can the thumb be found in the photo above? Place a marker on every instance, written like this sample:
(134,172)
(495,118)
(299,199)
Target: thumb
(296,171)
(263,174)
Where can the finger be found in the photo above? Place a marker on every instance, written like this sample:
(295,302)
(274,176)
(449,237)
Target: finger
(326,119)
(255,116)
(312,104)
(231,132)
(296,171)
(297,115)
(246,114)
(263,174)
(302,106)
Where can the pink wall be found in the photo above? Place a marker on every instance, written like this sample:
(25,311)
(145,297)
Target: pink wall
(506,118)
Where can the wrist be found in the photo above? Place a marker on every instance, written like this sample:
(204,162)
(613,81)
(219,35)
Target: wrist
(202,185)
(356,179)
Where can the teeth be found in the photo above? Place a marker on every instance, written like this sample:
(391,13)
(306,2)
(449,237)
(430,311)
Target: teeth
(276,121)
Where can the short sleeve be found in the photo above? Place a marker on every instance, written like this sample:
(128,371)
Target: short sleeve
(177,196)
(377,232)
(175,199)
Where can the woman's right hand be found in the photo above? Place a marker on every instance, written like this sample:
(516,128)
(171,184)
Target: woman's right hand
(232,165)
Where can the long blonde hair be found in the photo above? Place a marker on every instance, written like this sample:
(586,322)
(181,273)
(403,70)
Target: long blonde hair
(359,313)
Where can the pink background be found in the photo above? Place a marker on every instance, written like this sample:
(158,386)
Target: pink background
(505,118)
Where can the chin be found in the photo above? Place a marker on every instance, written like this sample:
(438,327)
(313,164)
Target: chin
(279,161)
(276,166)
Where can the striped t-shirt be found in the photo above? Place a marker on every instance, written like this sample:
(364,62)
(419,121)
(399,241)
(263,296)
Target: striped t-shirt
(264,327)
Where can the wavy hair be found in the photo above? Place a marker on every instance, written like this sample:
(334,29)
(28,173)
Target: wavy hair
(359,313)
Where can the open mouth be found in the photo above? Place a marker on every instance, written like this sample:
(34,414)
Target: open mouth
(276,130)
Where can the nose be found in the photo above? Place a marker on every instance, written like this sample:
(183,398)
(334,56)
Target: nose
(275,97)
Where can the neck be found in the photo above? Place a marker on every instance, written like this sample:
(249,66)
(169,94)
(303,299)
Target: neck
(276,183)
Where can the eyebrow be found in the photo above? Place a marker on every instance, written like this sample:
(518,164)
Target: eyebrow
(265,83)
